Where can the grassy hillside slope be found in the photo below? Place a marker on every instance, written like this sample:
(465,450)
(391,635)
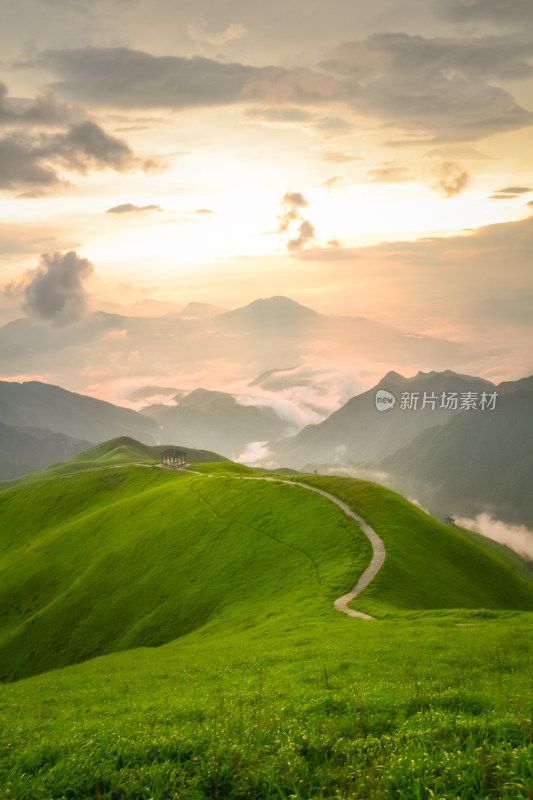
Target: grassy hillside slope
(429,565)
(130,556)
(115,452)
(262,690)
(118,558)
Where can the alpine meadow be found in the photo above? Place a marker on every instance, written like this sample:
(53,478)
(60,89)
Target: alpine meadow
(171,633)
(266,400)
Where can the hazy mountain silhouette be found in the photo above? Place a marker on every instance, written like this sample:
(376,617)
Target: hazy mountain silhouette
(476,462)
(35,404)
(277,312)
(216,421)
(358,432)
(264,335)
(24,450)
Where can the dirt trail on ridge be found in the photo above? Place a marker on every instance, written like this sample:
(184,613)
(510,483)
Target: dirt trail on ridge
(378,548)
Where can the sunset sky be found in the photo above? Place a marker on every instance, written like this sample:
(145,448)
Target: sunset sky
(364,159)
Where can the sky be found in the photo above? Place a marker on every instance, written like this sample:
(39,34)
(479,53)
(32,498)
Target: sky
(364,159)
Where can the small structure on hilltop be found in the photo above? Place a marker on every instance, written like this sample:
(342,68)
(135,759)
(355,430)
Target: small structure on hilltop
(449,521)
(174,458)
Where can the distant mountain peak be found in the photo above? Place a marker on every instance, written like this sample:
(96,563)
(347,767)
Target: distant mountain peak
(277,309)
(392,377)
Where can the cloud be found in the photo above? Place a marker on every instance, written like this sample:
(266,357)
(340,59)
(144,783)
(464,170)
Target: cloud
(295,199)
(337,157)
(204,211)
(292,201)
(55,291)
(255,453)
(517,13)
(443,89)
(292,221)
(129,208)
(120,77)
(45,110)
(510,192)
(198,33)
(306,233)
(389,173)
(87,145)
(515,190)
(517,537)
(21,163)
(32,157)
(451,179)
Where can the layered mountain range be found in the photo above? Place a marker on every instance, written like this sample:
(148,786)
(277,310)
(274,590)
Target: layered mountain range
(457,443)
(464,456)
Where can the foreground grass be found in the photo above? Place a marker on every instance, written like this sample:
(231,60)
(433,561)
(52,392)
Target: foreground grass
(353,709)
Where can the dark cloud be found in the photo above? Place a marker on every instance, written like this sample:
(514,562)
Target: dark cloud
(389,173)
(30,158)
(510,193)
(21,163)
(295,199)
(451,179)
(516,13)
(306,234)
(515,190)
(441,88)
(292,220)
(45,110)
(87,145)
(125,78)
(292,202)
(55,291)
(129,208)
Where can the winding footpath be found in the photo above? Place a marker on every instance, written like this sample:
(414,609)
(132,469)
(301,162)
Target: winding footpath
(378,548)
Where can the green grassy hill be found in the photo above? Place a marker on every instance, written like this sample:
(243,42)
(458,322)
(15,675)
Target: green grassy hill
(129,555)
(430,565)
(116,452)
(119,558)
(232,676)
